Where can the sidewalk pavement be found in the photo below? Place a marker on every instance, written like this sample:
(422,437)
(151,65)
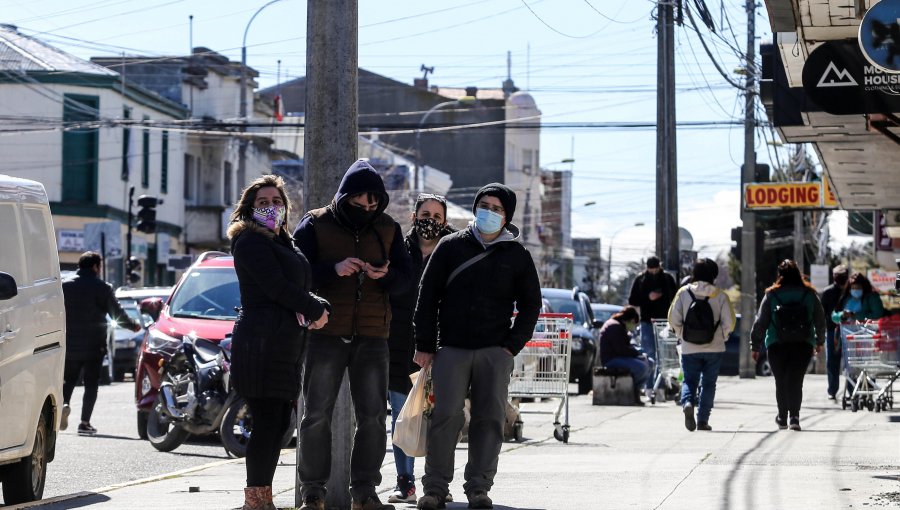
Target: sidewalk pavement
(622,457)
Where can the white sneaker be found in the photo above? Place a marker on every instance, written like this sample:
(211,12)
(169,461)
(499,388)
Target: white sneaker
(64,417)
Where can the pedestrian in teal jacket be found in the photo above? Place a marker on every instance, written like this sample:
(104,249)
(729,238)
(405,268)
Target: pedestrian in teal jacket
(858,302)
(789,352)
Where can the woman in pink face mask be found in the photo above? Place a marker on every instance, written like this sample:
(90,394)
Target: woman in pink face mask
(277,308)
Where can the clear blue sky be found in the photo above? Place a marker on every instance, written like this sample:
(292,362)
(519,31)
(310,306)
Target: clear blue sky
(582,60)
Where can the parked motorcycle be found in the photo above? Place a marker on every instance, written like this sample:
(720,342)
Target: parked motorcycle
(195,397)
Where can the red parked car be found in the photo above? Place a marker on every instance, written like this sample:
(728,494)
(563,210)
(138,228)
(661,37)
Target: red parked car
(204,305)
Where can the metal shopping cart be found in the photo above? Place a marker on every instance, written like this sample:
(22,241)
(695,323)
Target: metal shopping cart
(541,369)
(870,353)
(668,362)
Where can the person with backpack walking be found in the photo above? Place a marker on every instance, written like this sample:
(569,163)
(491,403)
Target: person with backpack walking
(791,323)
(702,316)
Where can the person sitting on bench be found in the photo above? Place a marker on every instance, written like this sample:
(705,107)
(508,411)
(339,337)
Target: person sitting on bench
(617,351)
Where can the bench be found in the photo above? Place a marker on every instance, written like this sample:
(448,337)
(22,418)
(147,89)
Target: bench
(613,387)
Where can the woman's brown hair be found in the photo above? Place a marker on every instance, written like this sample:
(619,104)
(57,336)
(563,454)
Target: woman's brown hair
(629,313)
(789,274)
(243,209)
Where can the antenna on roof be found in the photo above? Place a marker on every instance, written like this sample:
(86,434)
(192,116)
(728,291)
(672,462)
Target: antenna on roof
(426,70)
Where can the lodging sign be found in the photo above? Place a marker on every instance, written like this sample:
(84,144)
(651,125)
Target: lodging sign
(787,195)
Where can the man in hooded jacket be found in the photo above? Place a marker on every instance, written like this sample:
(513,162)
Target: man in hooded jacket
(358,259)
(472,283)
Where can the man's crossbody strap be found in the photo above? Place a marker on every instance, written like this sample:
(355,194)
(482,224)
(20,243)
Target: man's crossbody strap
(462,267)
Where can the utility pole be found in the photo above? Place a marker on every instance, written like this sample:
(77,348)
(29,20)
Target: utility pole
(748,218)
(332,100)
(666,154)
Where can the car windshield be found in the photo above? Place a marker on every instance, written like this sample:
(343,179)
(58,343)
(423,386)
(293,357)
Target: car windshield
(603,315)
(207,294)
(567,305)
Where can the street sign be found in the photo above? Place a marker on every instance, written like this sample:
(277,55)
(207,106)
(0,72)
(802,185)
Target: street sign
(70,240)
(111,230)
(818,276)
(882,281)
(179,262)
(839,79)
(878,35)
(786,195)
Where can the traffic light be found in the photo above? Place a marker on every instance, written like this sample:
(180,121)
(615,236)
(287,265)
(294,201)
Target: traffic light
(761,172)
(736,234)
(132,269)
(147,214)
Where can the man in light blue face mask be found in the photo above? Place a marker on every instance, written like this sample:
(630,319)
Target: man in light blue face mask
(472,283)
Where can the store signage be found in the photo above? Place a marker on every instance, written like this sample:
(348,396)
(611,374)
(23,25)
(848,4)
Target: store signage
(70,240)
(785,195)
(879,35)
(839,79)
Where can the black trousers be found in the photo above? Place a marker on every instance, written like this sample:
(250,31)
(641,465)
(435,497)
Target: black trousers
(789,362)
(271,419)
(91,382)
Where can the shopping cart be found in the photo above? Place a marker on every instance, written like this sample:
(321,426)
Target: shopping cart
(668,362)
(541,369)
(870,353)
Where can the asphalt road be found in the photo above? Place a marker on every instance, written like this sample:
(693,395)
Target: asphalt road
(116,455)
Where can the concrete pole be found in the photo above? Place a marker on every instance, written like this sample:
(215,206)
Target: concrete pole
(666,167)
(748,218)
(662,154)
(330,148)
(672,260)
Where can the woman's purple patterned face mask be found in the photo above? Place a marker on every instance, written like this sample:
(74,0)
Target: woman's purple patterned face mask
(271,217)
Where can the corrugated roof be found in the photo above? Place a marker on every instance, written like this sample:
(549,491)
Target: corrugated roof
(19,52)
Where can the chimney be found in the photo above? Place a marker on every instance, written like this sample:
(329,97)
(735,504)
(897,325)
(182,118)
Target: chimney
(420,83)
(472,91)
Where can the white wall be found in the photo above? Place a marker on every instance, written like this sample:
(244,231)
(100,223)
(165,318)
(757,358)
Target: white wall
(39,156)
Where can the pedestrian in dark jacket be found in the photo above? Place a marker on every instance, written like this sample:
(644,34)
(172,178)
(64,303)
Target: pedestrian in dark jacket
(788,356)
(471,285)
(269,334)
(88,301)
(358,260)
(616,350)
(830,297)
(652,292)
(429,226)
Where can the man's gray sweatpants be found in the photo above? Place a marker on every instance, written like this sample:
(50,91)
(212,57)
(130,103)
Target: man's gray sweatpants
(486,371)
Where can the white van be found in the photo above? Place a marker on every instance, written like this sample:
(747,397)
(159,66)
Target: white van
(32,339)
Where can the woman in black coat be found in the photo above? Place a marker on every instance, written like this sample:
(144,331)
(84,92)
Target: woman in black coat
(429,225)
(267,343)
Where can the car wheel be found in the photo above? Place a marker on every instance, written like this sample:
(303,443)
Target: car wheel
(763,368)
(24,480)
(585,385)
(142,424)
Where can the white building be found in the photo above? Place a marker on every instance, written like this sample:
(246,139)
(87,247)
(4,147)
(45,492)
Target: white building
(67,127)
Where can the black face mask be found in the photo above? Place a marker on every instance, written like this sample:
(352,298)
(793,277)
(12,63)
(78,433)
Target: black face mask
(428,228)
(357,216)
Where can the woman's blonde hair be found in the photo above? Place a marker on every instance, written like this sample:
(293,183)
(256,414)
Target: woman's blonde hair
(243,209)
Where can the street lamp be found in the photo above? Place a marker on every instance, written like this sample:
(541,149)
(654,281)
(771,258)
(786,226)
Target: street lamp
(609,257)
(566,160)
(242,154)
(465,100)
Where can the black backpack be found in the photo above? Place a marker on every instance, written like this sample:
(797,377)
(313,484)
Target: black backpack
(792,321)
(700,324)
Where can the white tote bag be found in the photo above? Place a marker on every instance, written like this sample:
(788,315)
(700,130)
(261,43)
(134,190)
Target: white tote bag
(411,428)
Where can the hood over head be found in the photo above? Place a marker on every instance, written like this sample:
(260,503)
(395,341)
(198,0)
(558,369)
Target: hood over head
(361,177)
